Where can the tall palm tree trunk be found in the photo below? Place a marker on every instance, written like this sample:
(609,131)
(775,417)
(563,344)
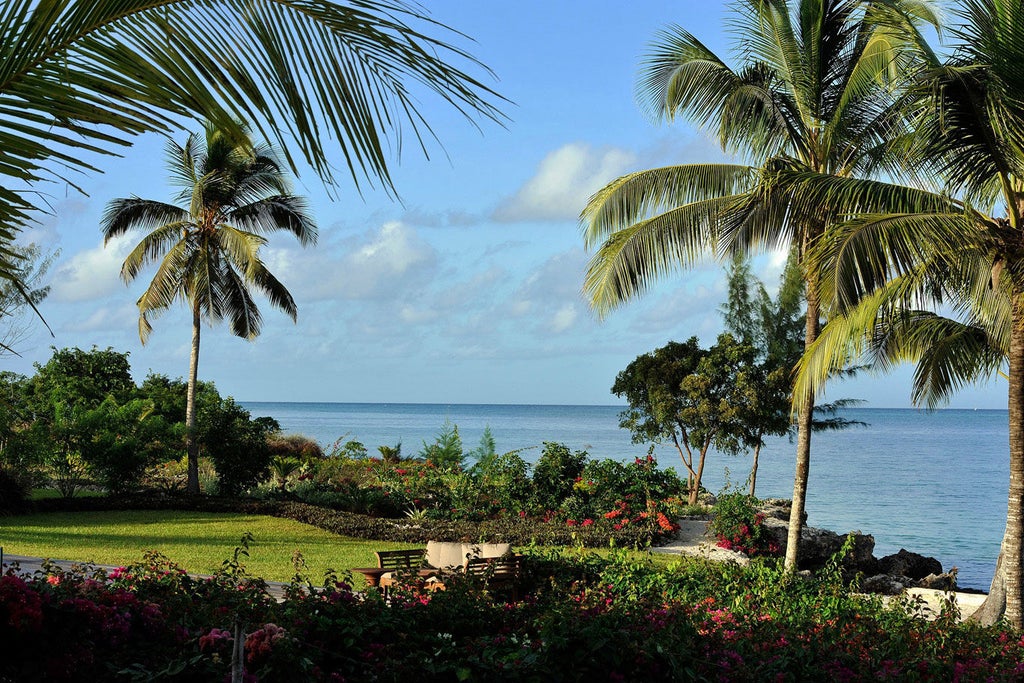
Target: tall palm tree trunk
(805,417)
(1005,597)
(191,443)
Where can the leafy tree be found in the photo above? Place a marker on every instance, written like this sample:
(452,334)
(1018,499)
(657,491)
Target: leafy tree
(237,445)
(117,442)
(775,328)
(689,396)
(233,192)
(74,379)
(937,278)
(813,94)
(327,80)
(21,296)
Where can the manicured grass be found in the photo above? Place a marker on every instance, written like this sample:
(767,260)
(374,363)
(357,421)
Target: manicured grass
(198,541)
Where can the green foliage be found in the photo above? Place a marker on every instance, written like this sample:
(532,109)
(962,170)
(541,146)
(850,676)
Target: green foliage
(282,468)
(486,451)
(168,396)
(118,442)
(507,478)
(236,444)
(555,473)
(344,448)
(738,525)
(77,379)
(446,451)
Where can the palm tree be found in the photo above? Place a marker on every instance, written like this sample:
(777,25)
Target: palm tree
(812,94)
(334,83)
(938,279)
(233,193)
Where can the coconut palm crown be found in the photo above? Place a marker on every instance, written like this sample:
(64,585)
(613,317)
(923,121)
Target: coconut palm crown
(234,193)
(938,278)
(338,85)
(812,93)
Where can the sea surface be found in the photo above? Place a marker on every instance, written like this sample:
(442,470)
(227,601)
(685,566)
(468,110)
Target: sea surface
(932,482)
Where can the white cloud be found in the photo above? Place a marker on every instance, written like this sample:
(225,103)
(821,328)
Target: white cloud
(564,318)
(564,181)
(122,318)
(382,264)
(92,274)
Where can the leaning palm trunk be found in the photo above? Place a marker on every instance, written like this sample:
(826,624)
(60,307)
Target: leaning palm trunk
(1005,598)
(191,442)
(803,443)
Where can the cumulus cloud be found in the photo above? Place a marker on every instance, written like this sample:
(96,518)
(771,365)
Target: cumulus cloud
(382,264)
(92,274)
(563,183)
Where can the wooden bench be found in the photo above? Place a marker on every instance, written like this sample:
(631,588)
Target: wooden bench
(496,572)
(499,573)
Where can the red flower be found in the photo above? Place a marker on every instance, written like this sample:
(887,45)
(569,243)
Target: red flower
(570,522)
(587,522)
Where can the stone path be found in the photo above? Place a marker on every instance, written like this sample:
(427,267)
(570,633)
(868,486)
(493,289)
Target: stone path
(694,539)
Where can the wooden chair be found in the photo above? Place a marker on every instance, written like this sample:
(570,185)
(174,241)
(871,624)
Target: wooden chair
(498,573)
(398,562)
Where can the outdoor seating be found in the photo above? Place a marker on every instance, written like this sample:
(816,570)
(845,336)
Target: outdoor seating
(493,564)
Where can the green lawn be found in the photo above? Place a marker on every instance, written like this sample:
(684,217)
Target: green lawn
(198,541)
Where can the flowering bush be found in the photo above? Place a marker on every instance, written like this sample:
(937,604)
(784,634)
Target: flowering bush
(584,618)
(738,525)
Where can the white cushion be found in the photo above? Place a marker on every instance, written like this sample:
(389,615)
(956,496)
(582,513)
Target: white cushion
(481,550)
(445,555)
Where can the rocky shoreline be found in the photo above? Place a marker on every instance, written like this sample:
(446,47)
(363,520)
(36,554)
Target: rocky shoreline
(889,575)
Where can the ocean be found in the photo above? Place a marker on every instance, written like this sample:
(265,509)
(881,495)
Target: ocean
(934,483)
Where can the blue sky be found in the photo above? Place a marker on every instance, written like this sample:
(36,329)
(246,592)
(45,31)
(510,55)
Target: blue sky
(468,290)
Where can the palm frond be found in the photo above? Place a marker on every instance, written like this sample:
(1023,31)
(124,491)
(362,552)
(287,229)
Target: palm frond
(322,79)
(153,247)
(133,213)
(633,258)
(278,212)
(644,194)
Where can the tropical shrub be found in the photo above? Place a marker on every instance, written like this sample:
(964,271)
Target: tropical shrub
(296,446)
(117,442)
(554,475)
(738,525)
(446,451)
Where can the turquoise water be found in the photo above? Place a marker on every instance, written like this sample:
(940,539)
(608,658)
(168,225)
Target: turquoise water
(934,483)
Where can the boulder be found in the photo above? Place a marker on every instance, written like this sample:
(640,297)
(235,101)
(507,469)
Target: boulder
(884,584)
(941,582)
(817,546)
(913,565)
(778,508)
